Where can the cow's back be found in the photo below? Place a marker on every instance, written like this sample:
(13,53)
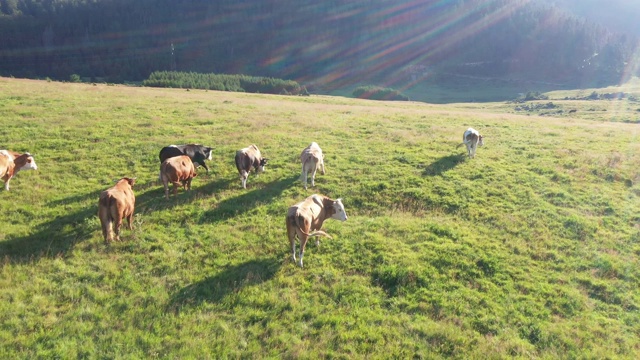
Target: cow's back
(117,201)
(177,168)
(247,157)
(311,154)
(169,152)
(243,162)
(6,163)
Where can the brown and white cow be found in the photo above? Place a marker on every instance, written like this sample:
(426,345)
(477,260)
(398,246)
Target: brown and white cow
(12,162)
(115,204)
(176,170)
(305,220)
(312,159)
(472,139)
(248,158)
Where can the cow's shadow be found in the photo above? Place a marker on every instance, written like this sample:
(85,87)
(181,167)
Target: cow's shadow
(240,204)
(443,165)
(52,238)
(152,198)
(59,235)
(230,280)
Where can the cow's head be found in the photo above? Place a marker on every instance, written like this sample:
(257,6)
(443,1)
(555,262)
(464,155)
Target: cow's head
(29,163)
(339,213)
(480,138)
(130,181)
(207,153)
(263,163)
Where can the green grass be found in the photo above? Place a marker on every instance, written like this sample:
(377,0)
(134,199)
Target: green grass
(530,250)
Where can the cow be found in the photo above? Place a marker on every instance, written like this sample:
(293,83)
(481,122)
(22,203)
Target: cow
(116,204)
(12,162)
(472,139)
(248,158)
(176,170)
(305,220)
(312,159)
(197,153)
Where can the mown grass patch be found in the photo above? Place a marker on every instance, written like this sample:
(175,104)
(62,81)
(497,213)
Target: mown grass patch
(528,250)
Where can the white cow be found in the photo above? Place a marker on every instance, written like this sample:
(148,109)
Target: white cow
(472,139)
(305,220)
(312,159)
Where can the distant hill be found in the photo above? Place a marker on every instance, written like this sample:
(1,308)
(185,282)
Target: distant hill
(329,44)
(618,15)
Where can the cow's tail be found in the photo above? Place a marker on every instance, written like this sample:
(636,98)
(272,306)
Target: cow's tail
(313,233)
(317,233)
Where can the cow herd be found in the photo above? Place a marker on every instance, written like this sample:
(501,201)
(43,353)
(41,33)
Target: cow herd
(177,166)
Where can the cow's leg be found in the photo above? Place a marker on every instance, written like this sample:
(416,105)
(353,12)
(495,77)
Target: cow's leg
(189,184)
(322,168)
(6,184)
(176,185)
(105,223)
(105,232)
(166,189)
(243,178)
(291,233)
(117,225)
(313,177)
(130,221)
(303,243)
(205,167)
(304,177)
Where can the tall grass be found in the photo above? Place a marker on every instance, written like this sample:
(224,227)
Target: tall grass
(529,250)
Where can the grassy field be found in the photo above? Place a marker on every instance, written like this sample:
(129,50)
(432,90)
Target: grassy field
(529,250)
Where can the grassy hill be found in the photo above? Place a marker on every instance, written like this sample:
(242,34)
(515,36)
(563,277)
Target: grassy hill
(530,250)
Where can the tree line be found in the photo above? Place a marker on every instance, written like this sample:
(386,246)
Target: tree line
(333,42)
(224,82)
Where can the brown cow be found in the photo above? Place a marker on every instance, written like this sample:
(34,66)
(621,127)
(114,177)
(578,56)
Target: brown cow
(176,170)
(12,162)
(312,159)
(116,204)
(248,158)
(305,220)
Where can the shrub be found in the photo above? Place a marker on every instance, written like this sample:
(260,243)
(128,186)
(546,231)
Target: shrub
(74,78)
(378,93)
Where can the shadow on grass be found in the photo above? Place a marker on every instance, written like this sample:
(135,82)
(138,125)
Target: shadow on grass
(245,202)
(152,200)
(52,238)
(77,198)
(230,280)
(443,165)
(58,236)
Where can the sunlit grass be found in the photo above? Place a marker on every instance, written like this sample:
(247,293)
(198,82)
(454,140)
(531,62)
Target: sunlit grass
(529,250)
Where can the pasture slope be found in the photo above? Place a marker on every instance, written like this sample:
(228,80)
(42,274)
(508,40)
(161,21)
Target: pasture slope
(528,251)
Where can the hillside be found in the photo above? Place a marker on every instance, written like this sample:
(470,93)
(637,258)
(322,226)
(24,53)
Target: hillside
(529,250)
(329,45)
(618,15)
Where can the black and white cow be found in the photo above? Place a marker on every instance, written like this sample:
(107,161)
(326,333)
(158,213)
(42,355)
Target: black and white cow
(197,153)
